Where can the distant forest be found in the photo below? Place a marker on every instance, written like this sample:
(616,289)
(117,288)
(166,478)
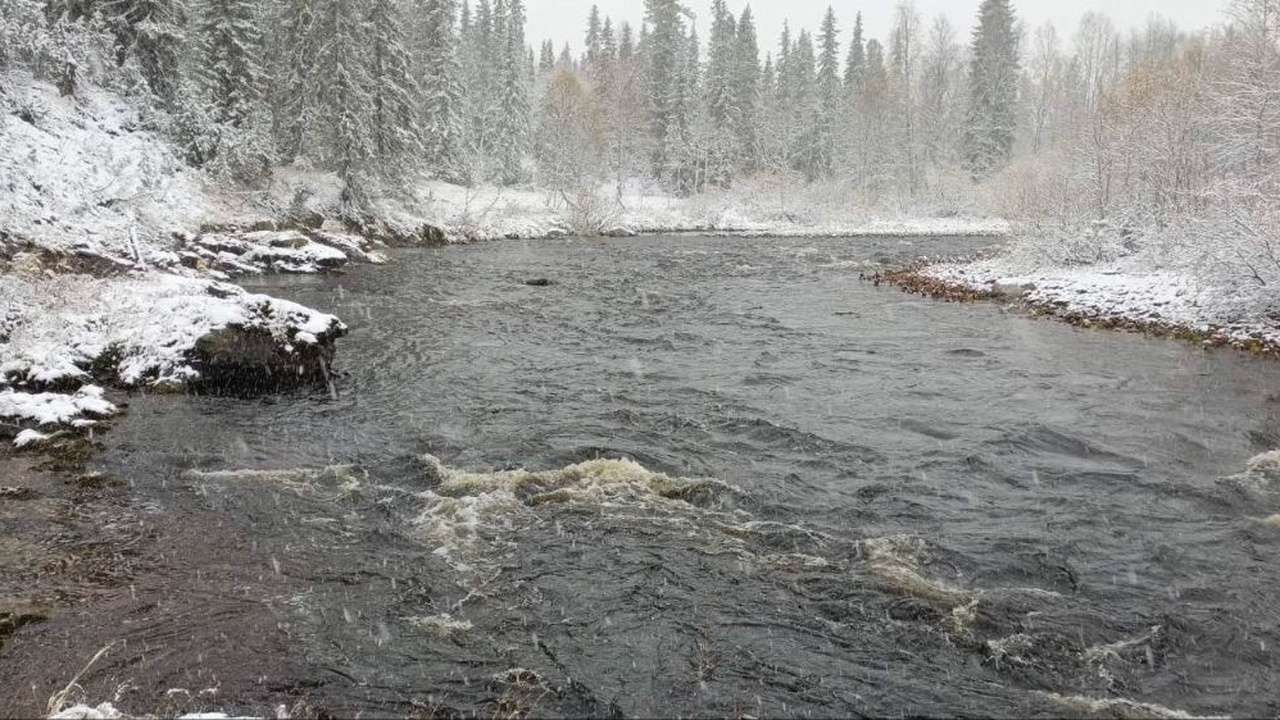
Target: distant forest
(1155,130)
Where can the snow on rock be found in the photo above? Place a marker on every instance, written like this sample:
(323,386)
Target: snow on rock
(27,438)
(285,251)
(49,409)
(105,711)
(146,330)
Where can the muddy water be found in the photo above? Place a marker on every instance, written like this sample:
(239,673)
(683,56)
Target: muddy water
(788,492)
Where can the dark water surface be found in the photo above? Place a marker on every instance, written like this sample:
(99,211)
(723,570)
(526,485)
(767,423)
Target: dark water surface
(927,508)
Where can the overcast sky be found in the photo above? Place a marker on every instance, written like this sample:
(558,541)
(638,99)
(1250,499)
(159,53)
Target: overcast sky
(565,20)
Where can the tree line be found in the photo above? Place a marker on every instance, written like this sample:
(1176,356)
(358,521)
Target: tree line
(1148,130)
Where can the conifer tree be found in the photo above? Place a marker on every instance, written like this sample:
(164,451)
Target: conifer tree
(857,59)
(152,32)
(664,50)
(231,65)
(337,100)
(993,89)
(746,88)
(394,93)
(722,102)
(829,94)
(512,123)
(595,40)
(443,104)
(546,57)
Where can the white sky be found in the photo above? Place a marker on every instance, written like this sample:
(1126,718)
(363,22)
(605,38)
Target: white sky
(566,20)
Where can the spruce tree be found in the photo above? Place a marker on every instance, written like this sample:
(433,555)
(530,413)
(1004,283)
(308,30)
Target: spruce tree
(294,47)
(993,89)
(439,72)
(664,50)
(233,84)
(829,94)
(231,65)
(546,57)
(337,97)
(722,101)
(595,39)
(746,88)
(857,60)
(512,123)
(393,122)
(151,31)
(806,109)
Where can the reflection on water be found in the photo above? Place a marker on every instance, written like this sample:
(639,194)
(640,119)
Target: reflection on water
(756,485)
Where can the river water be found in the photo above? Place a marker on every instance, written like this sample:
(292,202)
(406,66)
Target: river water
(790,492)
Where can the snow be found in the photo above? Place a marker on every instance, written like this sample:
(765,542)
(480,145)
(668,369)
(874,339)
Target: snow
(88,174)
(150,322)
(107,711)
(493,213)
(1139,289)
(29,437)
(49,409)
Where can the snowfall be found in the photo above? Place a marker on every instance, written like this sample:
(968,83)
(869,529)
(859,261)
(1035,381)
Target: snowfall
(116,257)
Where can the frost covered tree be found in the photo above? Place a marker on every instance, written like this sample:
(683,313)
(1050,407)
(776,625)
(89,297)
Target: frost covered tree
(664,51)
(905,60)
(233,84)
(440,82)
(546,57)
(150,32)
(595,39)
(940,85)
(570,136)
(337,97)
(231,63)
(746,89)
(830,105)
(393,92)
(805,100)
(723,107)
(993,89)
(291,53)
(856,62)
(512,123)
(22,31)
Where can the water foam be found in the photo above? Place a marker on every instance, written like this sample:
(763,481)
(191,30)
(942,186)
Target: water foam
(1123,708)
(466,512)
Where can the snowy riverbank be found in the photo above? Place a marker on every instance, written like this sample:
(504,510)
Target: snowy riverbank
(161,332)
(1132,293)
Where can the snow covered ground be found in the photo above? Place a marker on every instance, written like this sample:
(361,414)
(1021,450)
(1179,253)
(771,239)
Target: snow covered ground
(1138,291)
(493,213)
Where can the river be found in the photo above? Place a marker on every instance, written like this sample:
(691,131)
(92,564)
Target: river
(802,495)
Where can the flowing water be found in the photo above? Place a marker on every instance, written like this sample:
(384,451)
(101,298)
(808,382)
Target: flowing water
(757,485)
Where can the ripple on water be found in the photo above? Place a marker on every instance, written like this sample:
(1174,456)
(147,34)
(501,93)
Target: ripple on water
(918,507)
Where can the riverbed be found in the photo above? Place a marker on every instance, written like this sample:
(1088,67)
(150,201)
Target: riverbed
(792,492)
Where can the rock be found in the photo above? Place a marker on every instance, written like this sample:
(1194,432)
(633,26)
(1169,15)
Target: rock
(251,361)
(302,219)
(1012,291)
(539,282)
(394,236)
